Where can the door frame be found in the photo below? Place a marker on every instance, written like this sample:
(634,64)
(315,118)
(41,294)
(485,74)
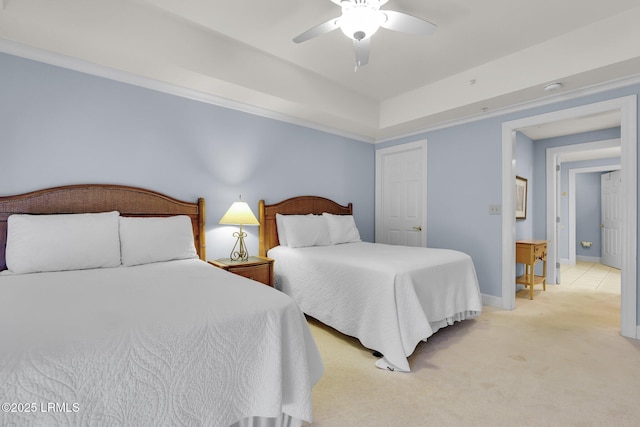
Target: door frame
(379,222)
(572,203)
(554,157)
(627,107)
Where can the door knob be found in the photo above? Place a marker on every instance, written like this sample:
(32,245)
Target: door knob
(418,228)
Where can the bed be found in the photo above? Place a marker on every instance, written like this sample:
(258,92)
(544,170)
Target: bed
(389,297)
(160,338)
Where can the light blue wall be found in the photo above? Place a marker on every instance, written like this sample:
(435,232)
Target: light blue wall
(523,154)
(465,176)
(60,127)
(594,192)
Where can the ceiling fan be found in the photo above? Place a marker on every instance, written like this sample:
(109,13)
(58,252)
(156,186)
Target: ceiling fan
(360,19)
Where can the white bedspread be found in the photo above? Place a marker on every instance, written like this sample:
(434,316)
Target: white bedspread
(175,343)
(389,297)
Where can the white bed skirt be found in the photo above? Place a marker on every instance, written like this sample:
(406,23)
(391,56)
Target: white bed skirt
(283,421)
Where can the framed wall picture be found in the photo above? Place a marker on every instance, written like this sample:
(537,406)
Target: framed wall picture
(521,197)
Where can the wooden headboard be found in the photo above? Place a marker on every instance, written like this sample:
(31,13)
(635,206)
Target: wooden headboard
(301,205)
(93,198)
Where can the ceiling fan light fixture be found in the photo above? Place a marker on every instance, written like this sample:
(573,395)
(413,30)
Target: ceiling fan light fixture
(361,21)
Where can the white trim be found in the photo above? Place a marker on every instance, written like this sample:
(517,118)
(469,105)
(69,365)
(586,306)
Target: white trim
(585,258)
(554,157)
(416,145)
(572,203)
(526,105)
(629,187)
(491,301)
(508,218)
(64,61)
(627,106)
(70,63)
(551,191)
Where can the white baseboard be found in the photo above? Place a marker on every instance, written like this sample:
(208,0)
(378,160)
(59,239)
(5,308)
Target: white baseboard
(564,261)
(492,301)
(588,258)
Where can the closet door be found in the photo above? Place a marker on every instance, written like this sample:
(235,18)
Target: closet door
(401,182)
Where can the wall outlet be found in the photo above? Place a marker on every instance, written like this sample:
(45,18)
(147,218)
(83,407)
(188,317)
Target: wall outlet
(495,209)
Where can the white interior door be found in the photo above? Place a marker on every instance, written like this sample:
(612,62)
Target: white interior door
(400,195)
(611,219)
(556,238)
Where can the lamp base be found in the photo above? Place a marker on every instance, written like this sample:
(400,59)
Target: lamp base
(239,251)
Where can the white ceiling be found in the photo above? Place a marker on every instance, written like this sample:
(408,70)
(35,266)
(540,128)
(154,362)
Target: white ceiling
(484,56)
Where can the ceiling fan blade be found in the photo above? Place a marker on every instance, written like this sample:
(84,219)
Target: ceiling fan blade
(362,48)
(323,28)
(399,21)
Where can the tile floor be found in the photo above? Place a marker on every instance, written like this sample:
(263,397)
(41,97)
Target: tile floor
(589,276)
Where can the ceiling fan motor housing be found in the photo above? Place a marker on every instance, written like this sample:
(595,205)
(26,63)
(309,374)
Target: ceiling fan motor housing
(360,18)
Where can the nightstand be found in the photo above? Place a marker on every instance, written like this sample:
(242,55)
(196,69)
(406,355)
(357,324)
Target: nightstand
(255,268)
(529,252)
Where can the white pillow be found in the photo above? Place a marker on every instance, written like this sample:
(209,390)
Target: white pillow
(37,243)
(342,228)
(305,230)
(155,239)
(282,237)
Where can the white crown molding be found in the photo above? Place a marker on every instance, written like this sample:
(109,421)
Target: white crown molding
(70,63)
(553,99)
(64,61)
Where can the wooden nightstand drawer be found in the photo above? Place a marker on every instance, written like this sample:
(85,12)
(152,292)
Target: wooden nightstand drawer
(260,273)
(259,269)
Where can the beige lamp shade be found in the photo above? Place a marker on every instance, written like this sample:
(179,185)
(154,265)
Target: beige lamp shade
(239,214)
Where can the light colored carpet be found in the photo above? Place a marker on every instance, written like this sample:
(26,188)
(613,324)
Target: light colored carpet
(558,360)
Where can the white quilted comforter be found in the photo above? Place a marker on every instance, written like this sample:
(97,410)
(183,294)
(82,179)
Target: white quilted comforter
(389,297)
(175,343)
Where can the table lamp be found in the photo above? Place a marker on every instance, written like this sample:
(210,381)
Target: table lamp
(239,214)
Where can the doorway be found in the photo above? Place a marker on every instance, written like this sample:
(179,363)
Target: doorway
(573,173)
(555,157)
(627,108)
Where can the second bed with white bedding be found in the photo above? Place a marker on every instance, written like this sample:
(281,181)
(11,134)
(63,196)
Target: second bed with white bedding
(389,297)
